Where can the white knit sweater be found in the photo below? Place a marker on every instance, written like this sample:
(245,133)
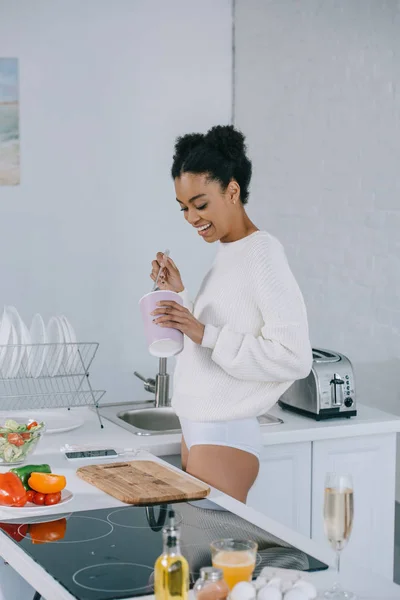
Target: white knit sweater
(256,339)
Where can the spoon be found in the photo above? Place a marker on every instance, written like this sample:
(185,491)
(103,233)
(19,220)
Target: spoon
(165,256)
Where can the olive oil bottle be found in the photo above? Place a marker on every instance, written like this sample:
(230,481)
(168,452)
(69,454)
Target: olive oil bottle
(171,571)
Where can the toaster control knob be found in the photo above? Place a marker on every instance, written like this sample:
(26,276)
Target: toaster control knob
(348,402)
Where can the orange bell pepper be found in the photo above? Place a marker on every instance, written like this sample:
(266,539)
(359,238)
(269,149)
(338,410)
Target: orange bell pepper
(47,483)
(50,531)
(12,492)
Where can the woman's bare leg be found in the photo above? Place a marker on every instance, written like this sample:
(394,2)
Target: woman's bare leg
(229,470)
(184,454)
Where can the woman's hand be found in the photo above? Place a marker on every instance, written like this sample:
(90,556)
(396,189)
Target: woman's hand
(178,317)
(170,278)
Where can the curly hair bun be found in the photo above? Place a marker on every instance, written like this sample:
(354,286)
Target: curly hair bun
(220,154)
(186,143)
(227,140)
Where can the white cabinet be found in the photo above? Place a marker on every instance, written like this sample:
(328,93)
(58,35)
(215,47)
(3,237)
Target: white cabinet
(290,489)
(283,487)
(371,462)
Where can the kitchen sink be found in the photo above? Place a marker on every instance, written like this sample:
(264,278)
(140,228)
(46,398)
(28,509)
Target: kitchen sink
(144,419)
(148,421)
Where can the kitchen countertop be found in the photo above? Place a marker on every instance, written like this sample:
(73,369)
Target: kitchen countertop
(295,428)
(86,497)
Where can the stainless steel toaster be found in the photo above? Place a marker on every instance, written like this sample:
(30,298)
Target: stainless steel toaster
(327,392)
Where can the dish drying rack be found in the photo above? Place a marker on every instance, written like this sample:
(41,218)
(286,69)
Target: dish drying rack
(49,375)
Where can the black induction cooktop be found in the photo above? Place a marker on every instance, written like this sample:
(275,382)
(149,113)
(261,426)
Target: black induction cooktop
(110,553)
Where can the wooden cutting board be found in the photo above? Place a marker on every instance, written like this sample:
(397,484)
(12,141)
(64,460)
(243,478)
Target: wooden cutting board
(143,482)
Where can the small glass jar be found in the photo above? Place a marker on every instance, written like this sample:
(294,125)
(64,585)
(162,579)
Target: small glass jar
(211,585)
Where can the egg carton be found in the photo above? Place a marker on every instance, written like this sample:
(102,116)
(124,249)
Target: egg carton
(276,584)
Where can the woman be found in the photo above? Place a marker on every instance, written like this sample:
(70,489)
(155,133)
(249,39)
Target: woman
(247,336)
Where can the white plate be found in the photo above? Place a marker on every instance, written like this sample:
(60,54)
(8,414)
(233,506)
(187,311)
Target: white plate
(72,340)
(66,496)
(5,332)
(70,351)
(55,354)
(38,355)
(71,330)
(67,355)
(19,328)
(62,424)
(56,421)
(26,341)
(12,354)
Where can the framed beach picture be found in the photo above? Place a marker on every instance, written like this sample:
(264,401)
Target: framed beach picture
(9,122)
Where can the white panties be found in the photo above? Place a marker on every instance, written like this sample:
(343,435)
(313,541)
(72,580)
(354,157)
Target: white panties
(243,434)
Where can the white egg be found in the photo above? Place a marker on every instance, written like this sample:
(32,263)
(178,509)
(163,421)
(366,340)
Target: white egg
(243,591)
(276,582)
(269,592)
(287,585)
(260,582)
(307,587)
(295,594)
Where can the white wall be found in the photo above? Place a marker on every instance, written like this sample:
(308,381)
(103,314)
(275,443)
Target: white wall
(317,93)
(105,87)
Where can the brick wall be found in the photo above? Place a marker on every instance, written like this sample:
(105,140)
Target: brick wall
(318,95)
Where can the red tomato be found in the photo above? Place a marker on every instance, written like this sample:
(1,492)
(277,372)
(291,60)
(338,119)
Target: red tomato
(52,498)
(33,424)
(38,498)
(15,439)
(30,494)
(26,436)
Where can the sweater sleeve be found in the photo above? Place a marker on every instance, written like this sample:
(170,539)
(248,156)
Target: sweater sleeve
(282,351)
(187,303)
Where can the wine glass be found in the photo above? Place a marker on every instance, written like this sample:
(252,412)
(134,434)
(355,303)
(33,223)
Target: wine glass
(338,522)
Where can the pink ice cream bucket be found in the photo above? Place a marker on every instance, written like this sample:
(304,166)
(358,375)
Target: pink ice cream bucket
(162,341)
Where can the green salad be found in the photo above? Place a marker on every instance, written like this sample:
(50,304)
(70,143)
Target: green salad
(17,440)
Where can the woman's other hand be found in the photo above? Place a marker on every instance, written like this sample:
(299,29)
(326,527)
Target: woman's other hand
(170,278)
(178,317)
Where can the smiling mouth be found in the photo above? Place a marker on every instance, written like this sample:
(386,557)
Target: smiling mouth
(203,229)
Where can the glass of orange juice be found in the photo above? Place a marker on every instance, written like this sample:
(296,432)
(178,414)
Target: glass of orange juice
(236,558)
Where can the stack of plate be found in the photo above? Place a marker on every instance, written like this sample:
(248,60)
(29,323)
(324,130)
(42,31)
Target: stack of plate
(38,350)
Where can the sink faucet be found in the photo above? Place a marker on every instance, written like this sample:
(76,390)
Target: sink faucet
(158,386)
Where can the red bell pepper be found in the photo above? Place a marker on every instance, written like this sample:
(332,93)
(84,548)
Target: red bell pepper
(15,530)
(12,492)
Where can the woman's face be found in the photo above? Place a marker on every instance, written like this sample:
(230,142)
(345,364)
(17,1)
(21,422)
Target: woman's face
(206,206)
